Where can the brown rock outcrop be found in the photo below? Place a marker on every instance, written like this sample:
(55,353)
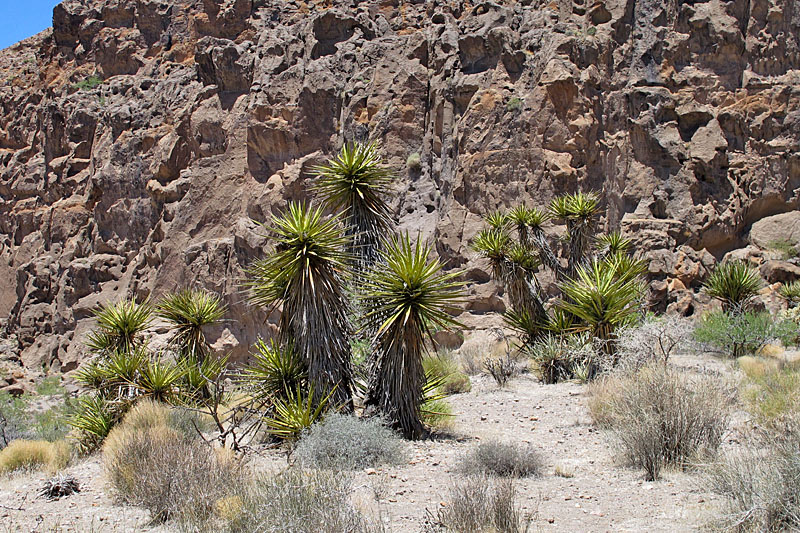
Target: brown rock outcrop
(686,116)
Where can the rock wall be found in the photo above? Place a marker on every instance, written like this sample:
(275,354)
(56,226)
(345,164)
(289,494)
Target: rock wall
(685,115)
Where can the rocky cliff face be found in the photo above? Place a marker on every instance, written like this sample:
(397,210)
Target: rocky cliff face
(140,139)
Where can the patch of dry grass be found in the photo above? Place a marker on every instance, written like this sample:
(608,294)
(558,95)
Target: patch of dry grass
(33,454)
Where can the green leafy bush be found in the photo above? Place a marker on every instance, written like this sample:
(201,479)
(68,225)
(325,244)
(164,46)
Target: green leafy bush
(738,334)
(344,442)
(89,83)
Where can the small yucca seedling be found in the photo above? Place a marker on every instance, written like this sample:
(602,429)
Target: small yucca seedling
(92,421)
(276,369)
(613,243)
(295,413)
(734,283)
(119,326)
(187,312)
(790,292)
(498,220)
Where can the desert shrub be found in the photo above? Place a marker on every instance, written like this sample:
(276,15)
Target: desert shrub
(479,504)
(772,395)
(414,162)
(761,487)
(32,454)
(653,340)
(294,501)
(19,419)
(661,416)
(738,334)
(444,366)
(89,83)
(153,462)
(344,442)
(502,459)
(502,368)
(470,359)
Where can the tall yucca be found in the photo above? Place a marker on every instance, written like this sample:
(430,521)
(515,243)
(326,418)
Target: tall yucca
(579,211)
(119,326)
(355,183)
(187,312)
(734,283)
(305,273)
(408,295)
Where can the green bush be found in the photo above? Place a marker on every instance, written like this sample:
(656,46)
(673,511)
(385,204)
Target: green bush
(344,442)
(738,334)
(89,83)
(414,162)
(785,247)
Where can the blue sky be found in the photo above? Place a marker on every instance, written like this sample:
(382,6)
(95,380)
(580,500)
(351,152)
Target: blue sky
(22,18)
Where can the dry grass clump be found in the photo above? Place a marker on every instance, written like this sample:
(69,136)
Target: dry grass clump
(344,442)
(502,459)
(153,461)
(295,501)
(33,454)
(661,416)
(761,486)
(479,504)
(443,365)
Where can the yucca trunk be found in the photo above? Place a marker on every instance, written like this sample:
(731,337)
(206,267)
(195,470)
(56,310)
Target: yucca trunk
(539,241)
(580,233)
(315,323)
(524,296)
(395,384)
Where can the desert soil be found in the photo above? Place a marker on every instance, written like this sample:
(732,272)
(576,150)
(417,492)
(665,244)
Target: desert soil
(601,494)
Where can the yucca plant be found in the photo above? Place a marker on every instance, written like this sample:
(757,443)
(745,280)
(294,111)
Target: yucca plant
(612,243)
(276,369)
(92,375)
(354,183)
(790,292)
(494,244)
(198,375)
(498,220)
(187,312)
(734,283)
(119,326)
(122,371)
(92,421)
(306,273)
(408,296)
(602,299)
(579,211)
(296,411)
(161,381)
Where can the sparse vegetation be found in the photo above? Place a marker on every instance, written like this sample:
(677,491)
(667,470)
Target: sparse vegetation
(495,458)
(414,162)
(514,104)
(502,368)
(443,365)
(655,339)
(561,357)
(88,83)
(786,248)
(32,454)
(344,442)
(477,504)
(661,416)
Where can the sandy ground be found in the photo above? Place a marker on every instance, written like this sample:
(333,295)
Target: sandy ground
(600,495)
